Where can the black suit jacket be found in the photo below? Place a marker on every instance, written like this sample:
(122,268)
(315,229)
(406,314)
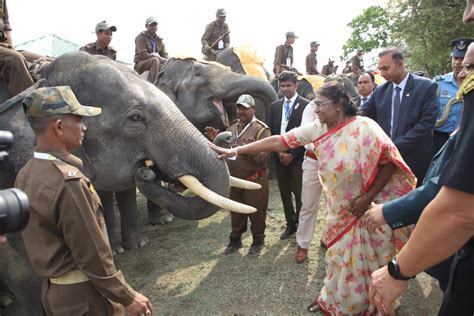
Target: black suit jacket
(417,117)
(274,122)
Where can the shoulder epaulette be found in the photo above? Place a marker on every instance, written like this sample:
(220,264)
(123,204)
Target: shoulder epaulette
(68,171)
(467,86)
(262,123)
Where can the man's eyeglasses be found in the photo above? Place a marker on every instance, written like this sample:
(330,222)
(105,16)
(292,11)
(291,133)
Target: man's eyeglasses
(319,105)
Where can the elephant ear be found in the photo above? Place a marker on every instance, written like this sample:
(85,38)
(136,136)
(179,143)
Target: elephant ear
(172,74)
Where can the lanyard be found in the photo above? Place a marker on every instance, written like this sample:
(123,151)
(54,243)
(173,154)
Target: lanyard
(245,128)
(43,156)
(153,44)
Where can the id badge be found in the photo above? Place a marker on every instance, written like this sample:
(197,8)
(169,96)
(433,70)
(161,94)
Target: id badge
(288,62)
(220,44)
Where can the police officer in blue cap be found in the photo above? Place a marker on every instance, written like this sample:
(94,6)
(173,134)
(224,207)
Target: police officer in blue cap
(450,109)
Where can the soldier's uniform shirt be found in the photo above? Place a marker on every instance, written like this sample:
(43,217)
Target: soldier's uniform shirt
(212,32)
(252,168)
(447,88)
(284,57)
(357,60)
(327,70)
(66,229)
(146,44)
(95,49)
(311,63)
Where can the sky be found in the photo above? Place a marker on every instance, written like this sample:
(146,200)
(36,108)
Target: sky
(262,24)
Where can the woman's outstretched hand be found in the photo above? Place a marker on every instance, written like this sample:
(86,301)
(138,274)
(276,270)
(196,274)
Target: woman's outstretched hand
(223,152)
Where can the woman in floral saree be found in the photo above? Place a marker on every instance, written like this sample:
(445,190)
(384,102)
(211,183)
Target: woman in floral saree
(358,165)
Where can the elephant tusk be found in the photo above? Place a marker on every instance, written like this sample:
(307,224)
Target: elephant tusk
(200,190)
(244,184)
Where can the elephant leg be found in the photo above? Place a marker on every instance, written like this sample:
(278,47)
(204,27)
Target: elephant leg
(127,204)
(107,199)
(158,215)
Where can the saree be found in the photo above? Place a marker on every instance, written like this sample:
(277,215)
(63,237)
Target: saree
(349,157)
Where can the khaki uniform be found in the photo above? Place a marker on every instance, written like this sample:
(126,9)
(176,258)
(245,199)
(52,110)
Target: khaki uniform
(252,168)
(311,63)
(146,45)
(13,65)
(66,239)
(357,60)
(327,70)
(95,49)
(212,32)
(283,58)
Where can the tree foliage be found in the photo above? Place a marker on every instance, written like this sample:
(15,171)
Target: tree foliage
(423,28)
(370,30)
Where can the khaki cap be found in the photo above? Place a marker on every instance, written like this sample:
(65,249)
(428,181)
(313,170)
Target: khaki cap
(291,34)
(246,100)
(58,100)
(104,26)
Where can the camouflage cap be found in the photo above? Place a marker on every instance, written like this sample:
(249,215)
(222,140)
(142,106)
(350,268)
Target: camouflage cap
(314,43)
(151,20)
(246,100)
(58,100)
(104,26)
(221,12)
(291,34)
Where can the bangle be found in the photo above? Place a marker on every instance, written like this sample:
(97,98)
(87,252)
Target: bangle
(235,152)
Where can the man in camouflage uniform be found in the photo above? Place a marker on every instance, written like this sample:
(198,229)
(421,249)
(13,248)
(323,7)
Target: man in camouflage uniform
(150,51)
(13,64)
(284,55)
(101,46)
(329,68)
(65,238)
(311,59)
(216,36)
(247,129)
(450,108)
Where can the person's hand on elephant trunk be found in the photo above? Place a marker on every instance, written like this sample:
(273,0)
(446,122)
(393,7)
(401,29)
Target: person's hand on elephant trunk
(210,132)
(224,153)
(140,306)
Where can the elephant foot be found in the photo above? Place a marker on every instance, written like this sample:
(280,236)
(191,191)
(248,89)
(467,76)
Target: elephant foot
(135,242)
(117,250)
(160,217)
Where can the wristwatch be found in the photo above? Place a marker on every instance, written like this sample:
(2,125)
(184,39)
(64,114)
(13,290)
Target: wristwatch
(394,271)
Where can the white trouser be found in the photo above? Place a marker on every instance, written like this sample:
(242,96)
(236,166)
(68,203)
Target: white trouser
(310,194)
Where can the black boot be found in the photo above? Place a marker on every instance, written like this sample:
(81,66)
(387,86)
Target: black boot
(256,246)
(233,246)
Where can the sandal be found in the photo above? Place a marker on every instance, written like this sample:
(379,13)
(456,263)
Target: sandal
(314,306)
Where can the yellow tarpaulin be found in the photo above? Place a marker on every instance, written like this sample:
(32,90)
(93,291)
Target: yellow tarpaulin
(251,62)
(315,80)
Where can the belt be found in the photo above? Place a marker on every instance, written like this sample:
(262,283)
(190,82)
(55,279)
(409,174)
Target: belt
(256,175)
(311,154)
(72,277)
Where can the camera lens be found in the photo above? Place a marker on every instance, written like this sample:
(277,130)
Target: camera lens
(14,213)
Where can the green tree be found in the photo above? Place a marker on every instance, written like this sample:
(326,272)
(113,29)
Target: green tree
(371,29)
(425,28)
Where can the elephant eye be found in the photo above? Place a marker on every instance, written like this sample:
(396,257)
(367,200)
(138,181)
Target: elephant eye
(135,117)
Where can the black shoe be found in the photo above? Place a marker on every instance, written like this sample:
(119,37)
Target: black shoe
(287,233)
(256,247)
(233,246)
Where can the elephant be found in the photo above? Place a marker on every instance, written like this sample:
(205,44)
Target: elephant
(206,91)
(231,56)
(138,124)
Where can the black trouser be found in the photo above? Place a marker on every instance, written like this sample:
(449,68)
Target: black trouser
(439,139)
(459,297)
(289,181)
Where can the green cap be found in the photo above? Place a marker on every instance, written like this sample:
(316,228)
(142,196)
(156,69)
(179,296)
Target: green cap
(151,20)
(104,26)
(246,100)
(59,100)
(291,34)
(220,12)
(314,43)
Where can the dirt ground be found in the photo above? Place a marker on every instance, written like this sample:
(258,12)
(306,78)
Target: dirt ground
(184,272)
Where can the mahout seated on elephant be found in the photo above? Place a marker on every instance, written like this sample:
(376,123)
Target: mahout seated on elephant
(138,123)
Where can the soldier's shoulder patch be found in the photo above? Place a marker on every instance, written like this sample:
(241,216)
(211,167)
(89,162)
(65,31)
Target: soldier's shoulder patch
(68,171)
(262,123)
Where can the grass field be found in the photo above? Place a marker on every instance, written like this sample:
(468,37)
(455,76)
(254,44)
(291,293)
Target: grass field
(184,272)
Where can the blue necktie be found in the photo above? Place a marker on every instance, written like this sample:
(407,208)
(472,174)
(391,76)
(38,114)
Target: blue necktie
(396,110)
(287,110)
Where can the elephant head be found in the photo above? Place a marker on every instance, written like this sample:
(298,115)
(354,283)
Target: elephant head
(138,123)
(206,91)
